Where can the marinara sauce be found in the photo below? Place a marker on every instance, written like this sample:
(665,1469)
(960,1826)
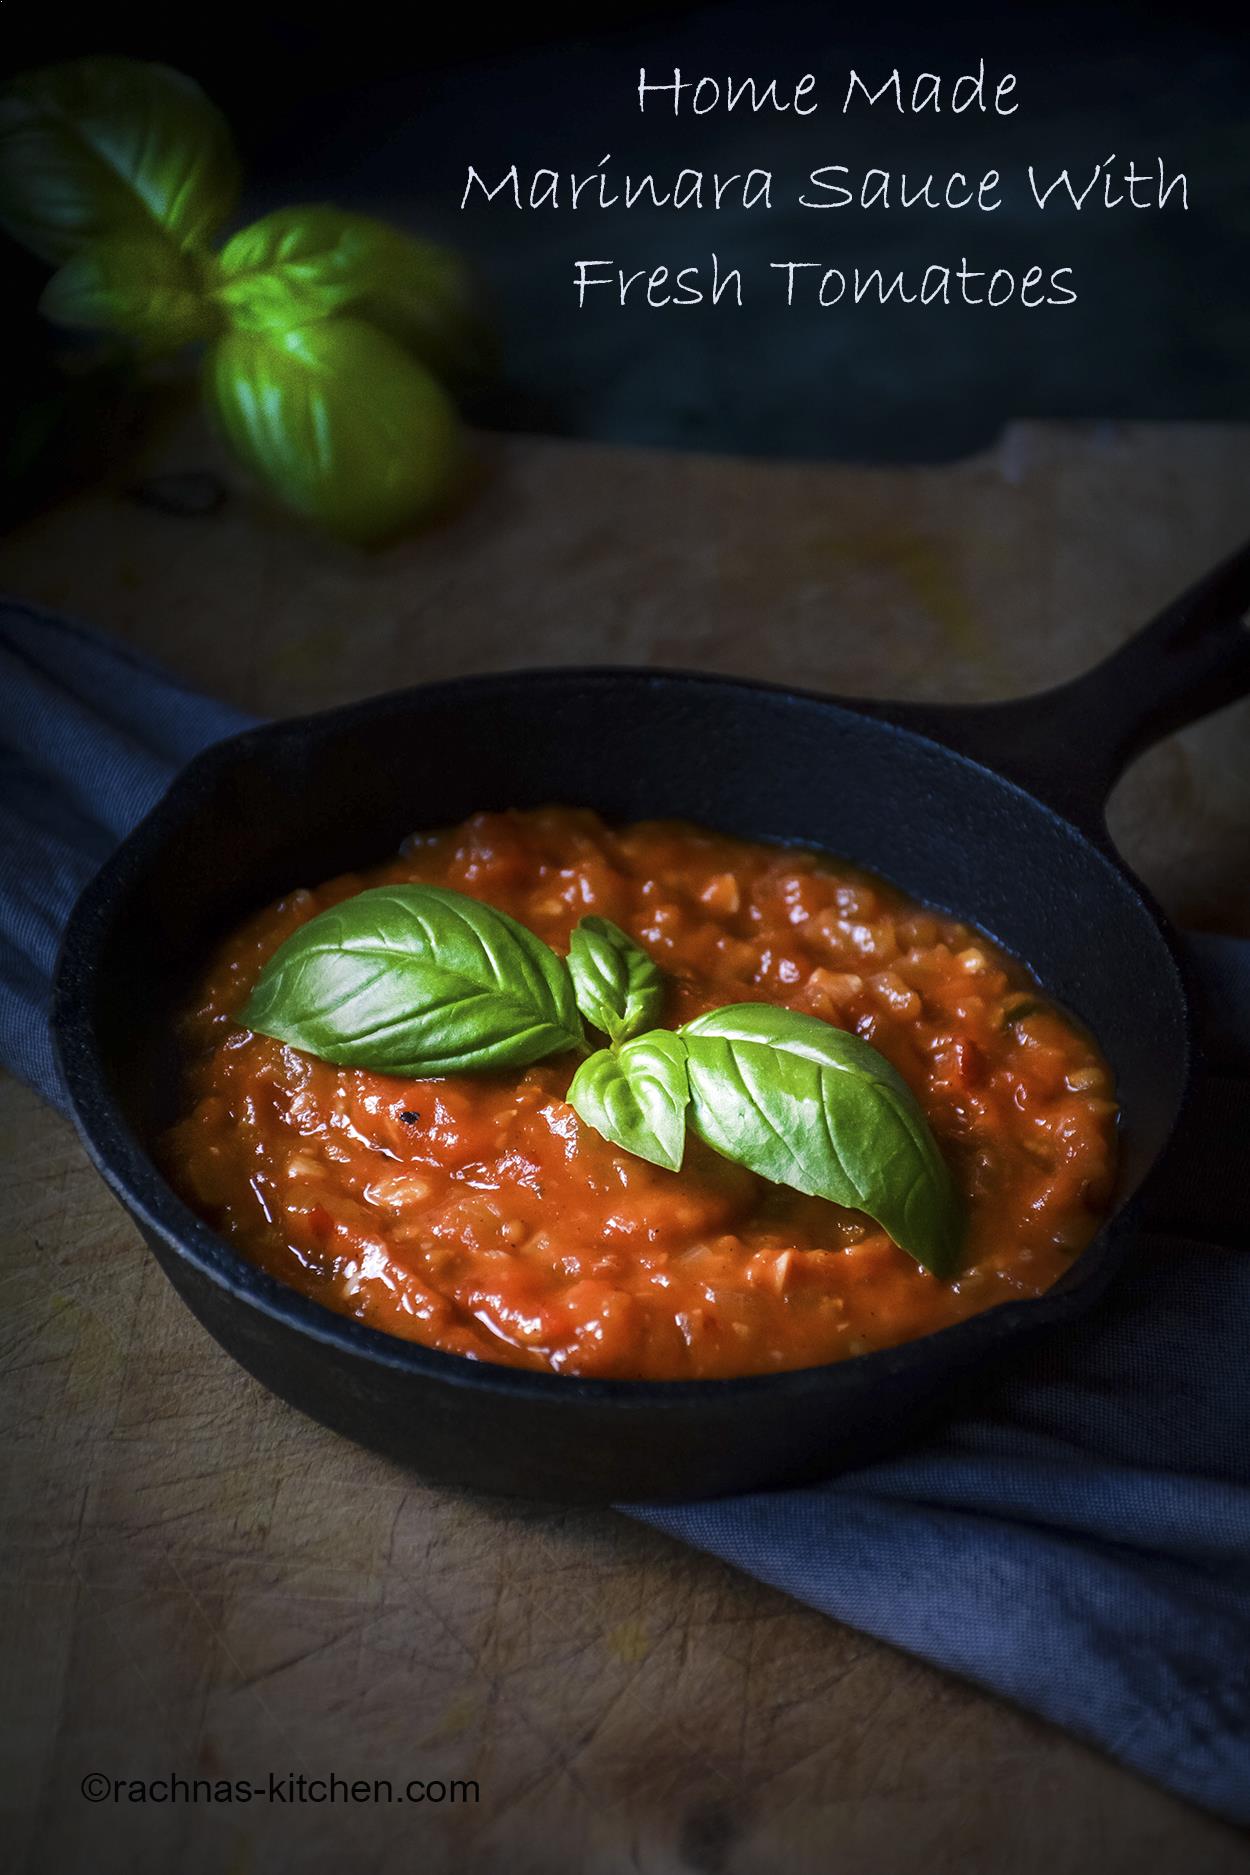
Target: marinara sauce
(481,1216)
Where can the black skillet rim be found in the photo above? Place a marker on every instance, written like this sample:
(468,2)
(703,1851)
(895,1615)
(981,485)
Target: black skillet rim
(133,1176)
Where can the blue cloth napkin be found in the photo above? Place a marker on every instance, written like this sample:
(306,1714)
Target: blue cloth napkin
(1076,1537)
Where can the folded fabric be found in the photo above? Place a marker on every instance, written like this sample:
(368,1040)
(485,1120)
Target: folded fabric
(1075,1537)
(91,735)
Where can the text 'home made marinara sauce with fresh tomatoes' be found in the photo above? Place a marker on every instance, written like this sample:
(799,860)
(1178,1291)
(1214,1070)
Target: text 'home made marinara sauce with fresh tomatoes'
(479,1215)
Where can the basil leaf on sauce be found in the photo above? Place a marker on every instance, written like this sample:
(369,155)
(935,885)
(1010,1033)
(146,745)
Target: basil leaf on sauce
(636,1096)
(807,1105)
(417,980)
(620,989)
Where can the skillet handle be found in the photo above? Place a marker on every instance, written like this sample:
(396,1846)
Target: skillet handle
(1069,746)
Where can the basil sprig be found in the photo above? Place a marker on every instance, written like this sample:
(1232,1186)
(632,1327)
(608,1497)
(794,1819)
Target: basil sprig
(620,989)
(329,338)
(420,981)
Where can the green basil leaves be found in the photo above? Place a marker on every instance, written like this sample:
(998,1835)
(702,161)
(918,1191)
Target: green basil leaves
(300,265)
(419,981)
(136,284)
(637,1096)
(619,988)
(415,980)
(338,422)
(105,147)
(635,1091)
(809,1106)
(793,1099)
(328,335)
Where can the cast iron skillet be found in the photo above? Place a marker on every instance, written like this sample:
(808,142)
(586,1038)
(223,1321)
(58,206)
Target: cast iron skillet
(994,813)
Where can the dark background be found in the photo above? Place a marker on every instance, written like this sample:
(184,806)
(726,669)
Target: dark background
(385,108)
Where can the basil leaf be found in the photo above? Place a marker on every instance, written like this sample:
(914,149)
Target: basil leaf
(620,989)
(106,146)
(807,1105)
(637,1096)
(138,285)
(299,265)
(416,980)
(340,424)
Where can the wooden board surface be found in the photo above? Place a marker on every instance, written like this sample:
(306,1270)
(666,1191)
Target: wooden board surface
(197,1581)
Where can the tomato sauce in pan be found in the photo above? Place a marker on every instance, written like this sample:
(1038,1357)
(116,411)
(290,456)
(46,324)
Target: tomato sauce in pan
(482,1217)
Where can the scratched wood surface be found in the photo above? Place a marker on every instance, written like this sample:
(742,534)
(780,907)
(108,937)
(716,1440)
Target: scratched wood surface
(197,1581)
